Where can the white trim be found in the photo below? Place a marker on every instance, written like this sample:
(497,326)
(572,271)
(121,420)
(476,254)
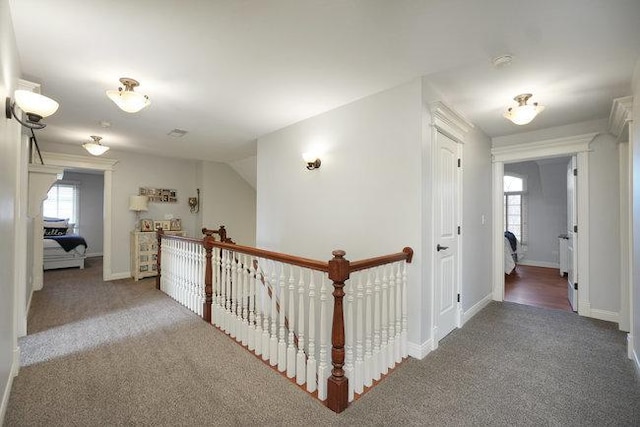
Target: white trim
(631,353)
(621,115)
(103,164)
(15,367)
(497,241)
(544,264)
(93,255)
(419,351)
(476,308)
(118,276)
(541,149)
(449,121)
(609,316)
(582,181)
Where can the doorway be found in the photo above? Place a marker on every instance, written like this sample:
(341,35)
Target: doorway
(538,214)
(547,149)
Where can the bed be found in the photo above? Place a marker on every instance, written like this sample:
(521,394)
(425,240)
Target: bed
(62,248)
(511,250)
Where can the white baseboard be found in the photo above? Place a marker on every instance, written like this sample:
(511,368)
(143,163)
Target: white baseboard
(419,351)
(609,316)
(476,308)
(93,254)
(15,367)
(533,263)
(118,276)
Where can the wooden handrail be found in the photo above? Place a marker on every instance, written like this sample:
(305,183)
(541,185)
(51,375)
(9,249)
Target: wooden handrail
(405,255)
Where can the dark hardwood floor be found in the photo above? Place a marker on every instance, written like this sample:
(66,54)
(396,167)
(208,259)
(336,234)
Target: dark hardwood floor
(537,286)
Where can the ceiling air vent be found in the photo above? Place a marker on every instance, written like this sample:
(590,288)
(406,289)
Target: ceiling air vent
(177,133)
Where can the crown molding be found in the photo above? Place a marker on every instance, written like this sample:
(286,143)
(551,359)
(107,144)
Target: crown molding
(621,115)
(75,161)
(449,121)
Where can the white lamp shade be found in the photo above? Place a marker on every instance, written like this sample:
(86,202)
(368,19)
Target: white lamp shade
(95,149)
(309,157)
(138,203)
(523,114)
(128,100)
(31,102)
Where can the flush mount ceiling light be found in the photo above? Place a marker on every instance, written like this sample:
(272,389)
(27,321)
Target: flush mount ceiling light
(34,106)
(94,147)
(126,98)
(523,113)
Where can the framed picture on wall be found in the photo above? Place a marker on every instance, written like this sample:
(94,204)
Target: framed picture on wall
(146,224)
(176,224)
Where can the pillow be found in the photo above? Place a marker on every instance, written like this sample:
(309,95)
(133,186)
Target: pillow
(56,223)
(55,231)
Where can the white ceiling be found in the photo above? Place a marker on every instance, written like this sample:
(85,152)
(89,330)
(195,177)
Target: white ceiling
(231,71)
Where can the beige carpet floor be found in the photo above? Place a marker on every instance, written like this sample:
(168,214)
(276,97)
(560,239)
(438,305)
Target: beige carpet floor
(123,353)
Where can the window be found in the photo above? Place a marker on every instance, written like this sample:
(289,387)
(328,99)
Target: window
(515,206)
(62,202)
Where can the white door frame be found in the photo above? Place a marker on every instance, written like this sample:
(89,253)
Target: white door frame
(569,146)
(448,122)
(71,161)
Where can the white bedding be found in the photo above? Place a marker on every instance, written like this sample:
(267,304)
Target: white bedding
(54,256)
(509,264)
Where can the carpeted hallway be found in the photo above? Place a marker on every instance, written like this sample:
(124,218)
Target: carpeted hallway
(122,353)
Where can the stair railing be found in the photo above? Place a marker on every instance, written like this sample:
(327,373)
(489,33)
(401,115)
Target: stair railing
(278,307)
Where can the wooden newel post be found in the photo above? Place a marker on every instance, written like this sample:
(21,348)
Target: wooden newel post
(159,234)
(338,384)
(207,241)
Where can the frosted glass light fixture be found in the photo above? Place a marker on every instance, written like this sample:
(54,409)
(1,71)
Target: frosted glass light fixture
(126,98)
(523,113)
(34,106)
(312,160)
(95,147)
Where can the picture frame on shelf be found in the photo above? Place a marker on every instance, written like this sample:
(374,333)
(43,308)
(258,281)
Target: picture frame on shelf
(146,224)
(166,225)
(157,225)
(176,224)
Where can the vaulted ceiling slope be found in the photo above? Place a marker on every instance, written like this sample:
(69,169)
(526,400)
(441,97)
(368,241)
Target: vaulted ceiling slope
(230,71)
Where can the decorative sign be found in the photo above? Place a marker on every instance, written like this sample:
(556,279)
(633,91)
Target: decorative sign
(159,194)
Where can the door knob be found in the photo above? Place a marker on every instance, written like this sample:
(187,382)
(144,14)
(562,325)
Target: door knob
(441,248)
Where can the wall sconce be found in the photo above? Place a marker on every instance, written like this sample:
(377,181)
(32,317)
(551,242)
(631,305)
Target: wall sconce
(138,204)
(194,202)
(35,107)
(312,161)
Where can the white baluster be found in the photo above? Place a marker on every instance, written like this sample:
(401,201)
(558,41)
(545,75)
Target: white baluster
(251,335)
(404,349)
(282,344)
(243,309)
(391,359)
(273,340)
(384,322)
(235,284)
(398,341)
(265,309)
(323,368)
(291,349)
(227,285)
(300,358)
(312,381)
(217,290)
(359,319)
(349,331)
(368,325)
(377,367)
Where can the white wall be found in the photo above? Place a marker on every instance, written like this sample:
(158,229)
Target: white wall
(365,198)
(227,199)
(10,169)
(476,205)
(546,208)
(635,146)
(90,217)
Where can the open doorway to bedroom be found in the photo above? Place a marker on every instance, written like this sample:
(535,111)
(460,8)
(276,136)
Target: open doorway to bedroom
(537,216)
(76,202)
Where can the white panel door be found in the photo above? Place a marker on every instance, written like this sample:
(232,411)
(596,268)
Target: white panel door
(572,241)
(447,175)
